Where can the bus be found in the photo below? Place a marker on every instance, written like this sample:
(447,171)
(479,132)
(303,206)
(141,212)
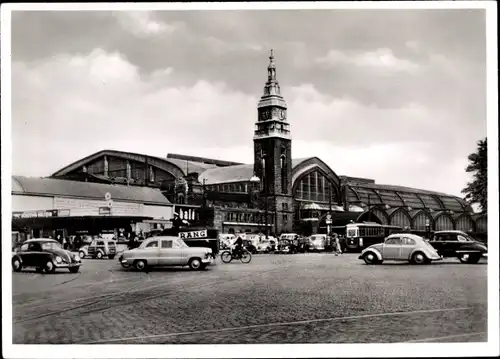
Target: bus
(362,235)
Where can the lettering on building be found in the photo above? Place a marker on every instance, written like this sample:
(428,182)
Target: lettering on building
(193,234)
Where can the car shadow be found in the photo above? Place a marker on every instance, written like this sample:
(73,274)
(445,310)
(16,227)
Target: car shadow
(436,263)
(164,270)
(33,271)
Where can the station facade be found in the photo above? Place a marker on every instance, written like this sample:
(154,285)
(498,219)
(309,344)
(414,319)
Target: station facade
(274,194)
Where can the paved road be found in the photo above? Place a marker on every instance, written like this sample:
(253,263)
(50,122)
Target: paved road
(303,298)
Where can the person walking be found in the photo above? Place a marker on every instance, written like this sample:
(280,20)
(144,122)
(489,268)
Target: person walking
(338,250)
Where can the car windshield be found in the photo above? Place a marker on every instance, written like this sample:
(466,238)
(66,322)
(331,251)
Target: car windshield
(51,245)
(462,237)
(181,243)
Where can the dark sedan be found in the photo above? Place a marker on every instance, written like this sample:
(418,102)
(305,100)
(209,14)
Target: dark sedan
(44,254)
(458,244)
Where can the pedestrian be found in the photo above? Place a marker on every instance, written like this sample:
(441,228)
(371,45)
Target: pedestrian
(338,250)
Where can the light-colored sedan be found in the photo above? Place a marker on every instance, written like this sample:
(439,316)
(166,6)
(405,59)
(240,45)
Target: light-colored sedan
(166,251)
(401,247)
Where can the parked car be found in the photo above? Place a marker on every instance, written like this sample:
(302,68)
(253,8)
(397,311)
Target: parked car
(317,242)
(166,251)
(226,240)
(102,247)
(83,251)
(401,247)
(44,254)
(286,246)
(264,246)
(460,245)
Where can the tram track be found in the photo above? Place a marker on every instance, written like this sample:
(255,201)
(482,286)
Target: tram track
(135,289)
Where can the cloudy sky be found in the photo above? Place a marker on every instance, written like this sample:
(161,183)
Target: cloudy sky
(394,95)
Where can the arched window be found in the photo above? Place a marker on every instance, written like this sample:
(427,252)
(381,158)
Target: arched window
(315,187)
(420,220)
(443,222)
(400,218)
(464,223)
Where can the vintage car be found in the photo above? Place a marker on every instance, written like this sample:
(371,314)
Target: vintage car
(459,245)
(102,247)
(264,246)
(286,246)
(44,254)
(166,251)
(83,251)
(401,247)
(317,242)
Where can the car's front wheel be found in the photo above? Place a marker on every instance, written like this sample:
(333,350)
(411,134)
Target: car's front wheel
(140,265)
(16,265)
(195,264)
(49,267)
(111,256)
(81,254)
(370,258)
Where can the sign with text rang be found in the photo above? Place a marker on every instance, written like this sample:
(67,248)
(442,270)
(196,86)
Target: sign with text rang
(193,234)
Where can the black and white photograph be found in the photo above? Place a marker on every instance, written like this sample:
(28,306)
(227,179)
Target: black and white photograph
(281,179)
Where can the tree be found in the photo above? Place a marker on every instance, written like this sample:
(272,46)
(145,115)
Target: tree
(476,191)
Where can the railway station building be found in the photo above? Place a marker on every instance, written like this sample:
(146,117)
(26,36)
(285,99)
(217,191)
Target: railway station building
(275,194)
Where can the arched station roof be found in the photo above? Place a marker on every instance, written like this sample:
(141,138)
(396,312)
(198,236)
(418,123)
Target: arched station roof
(176,166)
(39,186)
(369,194)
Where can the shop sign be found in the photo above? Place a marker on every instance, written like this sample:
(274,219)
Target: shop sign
(63,212)
(193,234)
(35,214)
(80,207)
(104,210)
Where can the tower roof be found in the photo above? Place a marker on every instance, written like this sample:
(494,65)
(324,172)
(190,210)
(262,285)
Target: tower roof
(272,93)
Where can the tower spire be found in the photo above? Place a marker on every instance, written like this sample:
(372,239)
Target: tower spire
(271,69)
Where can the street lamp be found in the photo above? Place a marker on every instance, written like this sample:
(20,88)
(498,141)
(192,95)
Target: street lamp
(428,228)
(255,180)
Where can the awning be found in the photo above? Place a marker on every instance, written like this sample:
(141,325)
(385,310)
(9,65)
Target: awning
(321,207)
(311,206)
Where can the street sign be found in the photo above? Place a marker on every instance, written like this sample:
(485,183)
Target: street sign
(328,219)
(107,196)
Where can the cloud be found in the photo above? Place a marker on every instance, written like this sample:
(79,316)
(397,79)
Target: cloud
(68,107)
(142,24)
(382,58)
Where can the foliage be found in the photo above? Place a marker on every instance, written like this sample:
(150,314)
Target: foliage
(476,191)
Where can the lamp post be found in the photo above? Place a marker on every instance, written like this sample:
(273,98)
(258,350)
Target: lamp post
(369,207)
(428,228)
(255,180)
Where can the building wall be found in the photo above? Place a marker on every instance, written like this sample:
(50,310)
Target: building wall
(158,212)
(21,203)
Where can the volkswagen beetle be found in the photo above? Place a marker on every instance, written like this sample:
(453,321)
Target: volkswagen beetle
(401,247)
(44,254)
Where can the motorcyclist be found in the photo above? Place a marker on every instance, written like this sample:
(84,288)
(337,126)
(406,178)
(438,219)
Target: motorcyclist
(238,246)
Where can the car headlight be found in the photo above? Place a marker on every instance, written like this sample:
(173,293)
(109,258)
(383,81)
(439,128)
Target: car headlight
(76,258)
(58,259)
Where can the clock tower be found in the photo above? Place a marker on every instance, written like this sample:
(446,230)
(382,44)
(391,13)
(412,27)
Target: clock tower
(273,152)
